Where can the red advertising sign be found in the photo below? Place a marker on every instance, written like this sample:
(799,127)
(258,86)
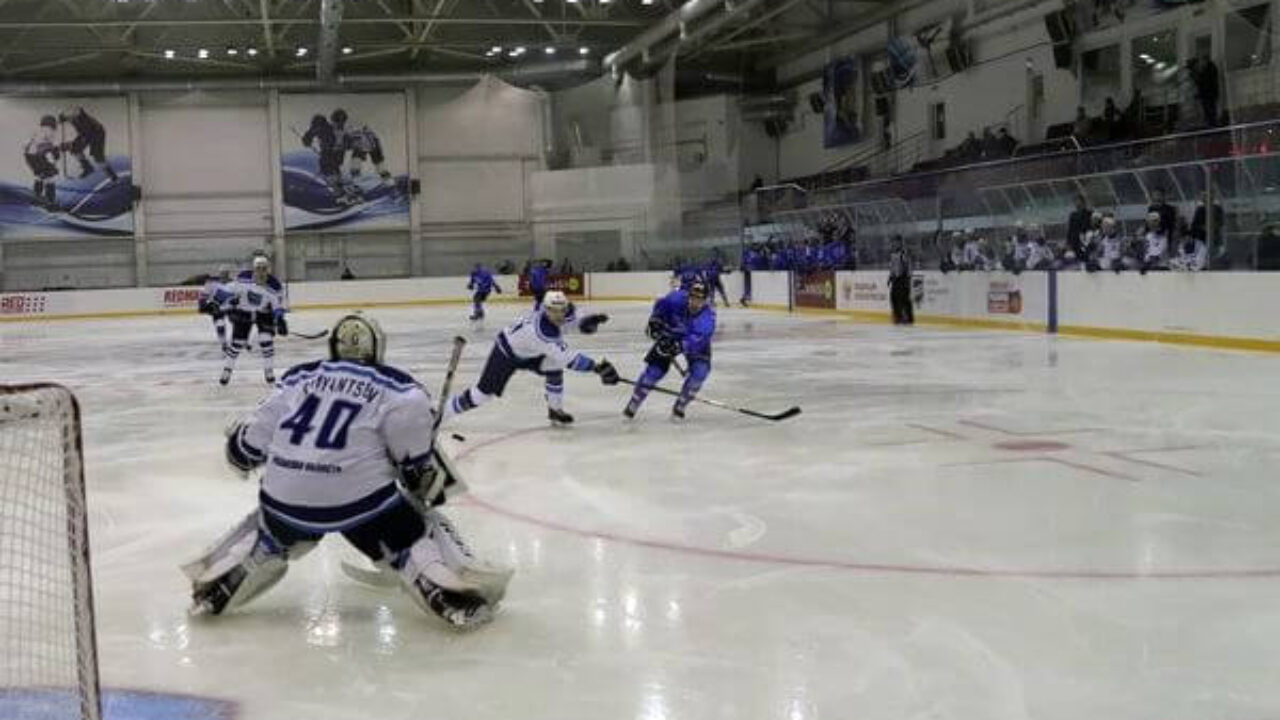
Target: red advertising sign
(1004,298)
(572,284)
(181,297)
(816,290)
(23,304)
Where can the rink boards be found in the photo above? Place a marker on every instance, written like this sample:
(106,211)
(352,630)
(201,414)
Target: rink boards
(1228,310)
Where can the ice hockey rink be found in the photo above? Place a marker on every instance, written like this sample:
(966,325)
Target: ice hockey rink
(961,524)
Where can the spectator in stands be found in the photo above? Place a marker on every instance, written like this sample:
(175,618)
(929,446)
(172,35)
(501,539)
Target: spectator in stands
(990,145)
(971,148)
(757,183)
(506,267)
(1078,224)
(1133,115)
(1085,256)
(1199,221)
(1082,126)
(1269,248)
(1007,143)
(1168,213)
(1188,97)
(1207,89)
(623,265)
(347,274)
(566,267)
(1111,120)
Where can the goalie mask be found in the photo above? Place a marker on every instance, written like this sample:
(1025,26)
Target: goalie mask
(358,339)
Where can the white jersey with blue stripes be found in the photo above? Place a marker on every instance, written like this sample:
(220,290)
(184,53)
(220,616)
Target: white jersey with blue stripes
(533,336)
(333,435)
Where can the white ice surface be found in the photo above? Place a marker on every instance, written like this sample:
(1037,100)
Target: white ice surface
(878,557)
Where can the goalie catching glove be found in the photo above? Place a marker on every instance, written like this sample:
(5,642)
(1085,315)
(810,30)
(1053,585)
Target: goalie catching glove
(607,372)
(241,456)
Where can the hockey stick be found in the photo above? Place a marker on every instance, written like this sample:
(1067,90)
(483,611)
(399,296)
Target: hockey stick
(784,415)
(310,336)
(380,577)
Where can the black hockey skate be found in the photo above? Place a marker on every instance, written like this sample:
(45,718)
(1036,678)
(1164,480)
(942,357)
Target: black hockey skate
(226,377)
(677,411)
(559,417)
(269,376)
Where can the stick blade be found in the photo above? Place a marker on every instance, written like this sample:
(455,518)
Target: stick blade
(784,415)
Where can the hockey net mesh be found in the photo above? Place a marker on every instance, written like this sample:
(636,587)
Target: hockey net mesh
(48,657)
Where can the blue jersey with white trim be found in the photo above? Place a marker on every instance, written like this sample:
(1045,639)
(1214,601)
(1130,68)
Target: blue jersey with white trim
(333,435)
(694,331)
(482,281)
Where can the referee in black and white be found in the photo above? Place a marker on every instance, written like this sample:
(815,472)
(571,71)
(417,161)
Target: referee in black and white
(900,283)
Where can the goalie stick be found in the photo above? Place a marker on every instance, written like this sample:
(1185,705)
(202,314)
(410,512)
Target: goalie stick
(776,417)
(310,336)
(380,577)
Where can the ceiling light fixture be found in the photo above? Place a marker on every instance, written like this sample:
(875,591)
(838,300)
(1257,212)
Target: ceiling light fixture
(550,50)
(168,54)
(584,51)
(202,53)
(232,52)
(347,50)
(302,52)
(251,52)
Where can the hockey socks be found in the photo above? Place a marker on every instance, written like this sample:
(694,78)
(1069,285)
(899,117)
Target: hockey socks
(650,377)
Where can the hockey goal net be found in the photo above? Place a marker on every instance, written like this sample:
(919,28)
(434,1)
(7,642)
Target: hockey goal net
(48,655)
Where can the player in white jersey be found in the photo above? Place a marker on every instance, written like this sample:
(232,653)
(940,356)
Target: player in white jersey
(1193,255)
(1155,244)
(536,343)
(347,446)
(256,298)
(207,303)
(1111,246)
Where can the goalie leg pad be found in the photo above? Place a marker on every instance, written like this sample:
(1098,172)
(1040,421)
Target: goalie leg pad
(442,559)
(243,564)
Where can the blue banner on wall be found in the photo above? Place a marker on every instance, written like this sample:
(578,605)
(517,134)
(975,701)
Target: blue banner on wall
(841,122)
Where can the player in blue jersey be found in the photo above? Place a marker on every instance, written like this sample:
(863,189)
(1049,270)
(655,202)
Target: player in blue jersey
(711,273)
(538,281)
(681,323)
(347,445)
(686,274)
(536,343)
(482,283)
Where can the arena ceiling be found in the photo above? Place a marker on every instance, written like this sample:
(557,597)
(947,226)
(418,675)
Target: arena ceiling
(50,40)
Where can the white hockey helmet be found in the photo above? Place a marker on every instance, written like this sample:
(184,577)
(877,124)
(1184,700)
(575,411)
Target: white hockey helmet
(224,272)
(357,338)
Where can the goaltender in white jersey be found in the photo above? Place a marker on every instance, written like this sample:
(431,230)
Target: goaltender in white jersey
(348,447)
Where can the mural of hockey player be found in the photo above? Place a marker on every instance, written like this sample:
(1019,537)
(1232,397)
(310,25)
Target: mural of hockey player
(362,142)
(91,136)
(42,152)
(332,151)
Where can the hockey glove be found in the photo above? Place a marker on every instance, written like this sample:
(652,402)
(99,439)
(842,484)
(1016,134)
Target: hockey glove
(656,328)
(589,324)
(668,347)
(607,372)
(282,327)
(241,457)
